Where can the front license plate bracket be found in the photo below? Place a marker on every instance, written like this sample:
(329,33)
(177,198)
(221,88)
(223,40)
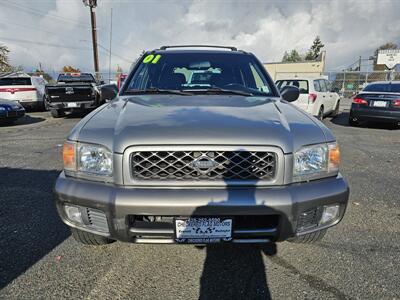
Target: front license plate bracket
(203,230)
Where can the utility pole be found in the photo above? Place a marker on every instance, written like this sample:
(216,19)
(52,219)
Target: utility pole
(92,4)
(359,74)
(109,57)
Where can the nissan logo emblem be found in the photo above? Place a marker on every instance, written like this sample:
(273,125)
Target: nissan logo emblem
(204,164)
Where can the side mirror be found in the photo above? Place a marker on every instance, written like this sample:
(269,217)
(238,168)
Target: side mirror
(108,92)
(290,93)
(102,82)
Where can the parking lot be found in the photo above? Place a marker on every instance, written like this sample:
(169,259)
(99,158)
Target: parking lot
(357,259)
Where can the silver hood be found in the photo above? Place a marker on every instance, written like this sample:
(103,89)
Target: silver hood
(200,120)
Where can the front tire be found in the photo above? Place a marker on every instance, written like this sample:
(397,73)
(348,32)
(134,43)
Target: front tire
(320,115)
(46,105)
(337,109)
(309,238)
(88,238)
(353,122)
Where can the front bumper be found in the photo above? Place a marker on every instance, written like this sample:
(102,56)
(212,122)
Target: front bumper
(121,205)
(367,113)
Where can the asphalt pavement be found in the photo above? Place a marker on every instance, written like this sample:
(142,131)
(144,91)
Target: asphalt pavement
(358,259)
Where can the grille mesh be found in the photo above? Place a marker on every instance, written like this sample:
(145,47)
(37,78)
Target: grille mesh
(203,165)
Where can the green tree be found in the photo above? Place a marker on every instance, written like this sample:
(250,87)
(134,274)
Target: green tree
(293,56)
(315,50)
(386,46)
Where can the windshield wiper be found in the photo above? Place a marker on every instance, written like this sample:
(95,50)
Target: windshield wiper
(158,91)
(220,90)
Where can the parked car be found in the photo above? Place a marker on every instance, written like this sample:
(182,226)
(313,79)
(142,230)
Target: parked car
(73,91)
(316,96)
(378,101)
(168,161)
(22,88)
(10,111)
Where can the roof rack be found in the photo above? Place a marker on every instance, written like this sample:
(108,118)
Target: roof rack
(199,46)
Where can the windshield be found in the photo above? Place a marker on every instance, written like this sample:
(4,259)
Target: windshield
(76,78)
(197,72)
(383,87)
(15,81)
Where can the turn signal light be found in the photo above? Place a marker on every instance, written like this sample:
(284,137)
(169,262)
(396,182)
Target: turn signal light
(334,157)
(69,156)
(360,101)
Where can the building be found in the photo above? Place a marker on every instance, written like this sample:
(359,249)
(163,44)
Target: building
(281,70)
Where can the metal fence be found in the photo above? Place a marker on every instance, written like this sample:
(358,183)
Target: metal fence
(347,83)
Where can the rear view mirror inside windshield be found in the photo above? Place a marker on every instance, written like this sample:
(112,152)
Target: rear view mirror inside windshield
(200,65)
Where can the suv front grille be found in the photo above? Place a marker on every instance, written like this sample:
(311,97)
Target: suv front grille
(203,165)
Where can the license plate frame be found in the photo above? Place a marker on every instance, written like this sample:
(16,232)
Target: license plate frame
(380,103)
(201,232)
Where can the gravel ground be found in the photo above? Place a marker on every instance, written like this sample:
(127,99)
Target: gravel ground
(358,259)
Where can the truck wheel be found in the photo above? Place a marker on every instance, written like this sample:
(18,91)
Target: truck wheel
(88,238)
(57,113)
(309,238)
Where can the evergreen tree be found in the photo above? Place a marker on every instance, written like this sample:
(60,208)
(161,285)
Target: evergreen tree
(315,50)
(293,56)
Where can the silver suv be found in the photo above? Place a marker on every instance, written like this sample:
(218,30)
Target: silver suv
(224,158)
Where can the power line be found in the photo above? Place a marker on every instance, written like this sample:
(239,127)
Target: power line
(29,27)
(55,45)
(44,13)
(113,53)
(40,13)
(42,43)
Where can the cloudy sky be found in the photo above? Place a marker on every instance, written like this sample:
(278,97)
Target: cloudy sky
(57,32)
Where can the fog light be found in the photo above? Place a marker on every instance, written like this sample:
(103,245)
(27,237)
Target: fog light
(73,213)
(329,214)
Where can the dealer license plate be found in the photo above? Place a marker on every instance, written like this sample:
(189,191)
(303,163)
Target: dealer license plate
(380,103)
(203,230)
(72,104)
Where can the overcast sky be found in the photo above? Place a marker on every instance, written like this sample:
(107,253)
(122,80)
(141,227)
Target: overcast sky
(57,32)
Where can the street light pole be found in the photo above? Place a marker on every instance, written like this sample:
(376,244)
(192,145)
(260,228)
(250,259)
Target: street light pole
(92,4)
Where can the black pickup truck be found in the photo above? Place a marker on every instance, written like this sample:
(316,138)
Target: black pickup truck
(73,91)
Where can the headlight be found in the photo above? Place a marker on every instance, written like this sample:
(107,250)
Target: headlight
(2,108)
(87,159)
(316,161)
(94,159)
